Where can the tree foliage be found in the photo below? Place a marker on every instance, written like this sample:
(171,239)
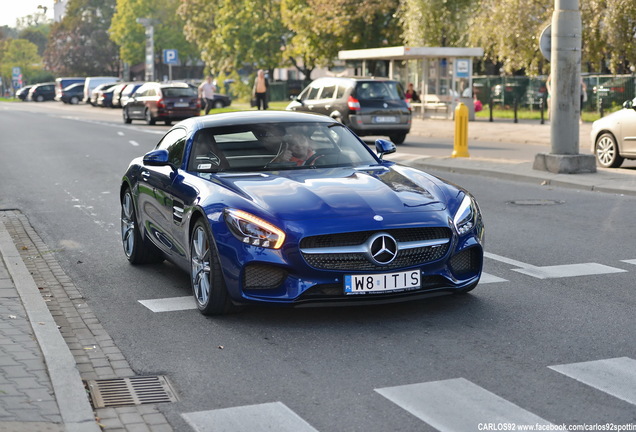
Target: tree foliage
(80,43)
(19,53)
(168,26)
(435,22)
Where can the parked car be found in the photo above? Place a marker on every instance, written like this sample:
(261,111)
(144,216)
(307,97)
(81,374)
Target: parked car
(105,96)
(165,102)
(217,198)
(92,82)
(221,100)
(62,83)
(613,136)
(127,92)
(72,94)
(42,92)
(368,106)
(23,93)
(95,94)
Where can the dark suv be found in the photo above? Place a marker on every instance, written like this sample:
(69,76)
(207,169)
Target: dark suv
(42,92)
(368,106)
(165,102)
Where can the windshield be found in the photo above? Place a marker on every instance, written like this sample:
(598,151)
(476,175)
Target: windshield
(275,147)
(179,92)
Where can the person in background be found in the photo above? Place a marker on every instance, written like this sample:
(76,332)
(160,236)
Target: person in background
(206,93)
(411,94)
(261,90)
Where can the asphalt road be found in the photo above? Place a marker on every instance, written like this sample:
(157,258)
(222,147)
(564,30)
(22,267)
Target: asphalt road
(558,291)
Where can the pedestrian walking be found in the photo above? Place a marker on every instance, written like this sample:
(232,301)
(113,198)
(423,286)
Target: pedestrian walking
(206,94)
(260,92)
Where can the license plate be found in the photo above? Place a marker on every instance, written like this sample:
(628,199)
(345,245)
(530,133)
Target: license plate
(181,104)
(385,282)
(385,119)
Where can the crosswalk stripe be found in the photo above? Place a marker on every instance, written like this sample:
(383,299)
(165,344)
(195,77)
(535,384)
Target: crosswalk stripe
(275,416)
(170,304)
(569,270)
(616,376)
(457,405)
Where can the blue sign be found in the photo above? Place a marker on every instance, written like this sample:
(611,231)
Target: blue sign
(170,57)
(462,68)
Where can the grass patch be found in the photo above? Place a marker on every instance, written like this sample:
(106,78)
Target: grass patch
(535,114)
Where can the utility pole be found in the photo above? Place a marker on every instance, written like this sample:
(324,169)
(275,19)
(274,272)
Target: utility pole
(565,104)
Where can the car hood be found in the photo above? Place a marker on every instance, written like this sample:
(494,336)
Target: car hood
(340,192)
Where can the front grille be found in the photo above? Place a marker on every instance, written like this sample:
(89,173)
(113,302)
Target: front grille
(360,262)
(263,276)
(466,263)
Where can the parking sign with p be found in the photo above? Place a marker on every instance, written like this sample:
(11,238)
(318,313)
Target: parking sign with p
(170,57)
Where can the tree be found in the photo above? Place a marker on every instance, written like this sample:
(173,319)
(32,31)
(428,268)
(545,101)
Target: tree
(168,25)
(235,33)
(321,28)
(80,43)
(19,53)
(435,22)
(38,35)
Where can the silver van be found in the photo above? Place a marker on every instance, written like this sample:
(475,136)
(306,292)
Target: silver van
(92,82)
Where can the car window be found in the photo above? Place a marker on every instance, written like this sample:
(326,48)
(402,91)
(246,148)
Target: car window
(379,90)
(267,147)
(341,91)
(328,92)
(313,93)
(179,92)
(174,142)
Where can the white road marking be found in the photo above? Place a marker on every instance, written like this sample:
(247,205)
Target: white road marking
(275,416)
(616,376)
(558,271)
(457,405)
(630,261)
(134,143)
(170,304)
(488,278)
(120,133)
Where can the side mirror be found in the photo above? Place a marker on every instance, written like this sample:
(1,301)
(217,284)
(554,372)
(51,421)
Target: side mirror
(628,104)
(157,158)
(384,147)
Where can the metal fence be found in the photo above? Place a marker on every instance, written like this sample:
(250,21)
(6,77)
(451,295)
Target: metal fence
(603,92)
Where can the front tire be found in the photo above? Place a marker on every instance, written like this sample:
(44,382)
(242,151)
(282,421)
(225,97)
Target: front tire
(606,151)
(136,249)
(74,100)
(208,285)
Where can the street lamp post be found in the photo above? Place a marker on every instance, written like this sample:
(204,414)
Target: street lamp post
(150,47)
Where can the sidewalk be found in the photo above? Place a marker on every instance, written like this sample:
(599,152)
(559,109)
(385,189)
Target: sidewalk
(51,342)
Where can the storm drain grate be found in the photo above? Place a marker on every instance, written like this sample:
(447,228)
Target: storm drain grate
(130,391)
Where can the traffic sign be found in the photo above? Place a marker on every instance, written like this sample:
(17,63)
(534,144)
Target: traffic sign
(545,42)
(170,57)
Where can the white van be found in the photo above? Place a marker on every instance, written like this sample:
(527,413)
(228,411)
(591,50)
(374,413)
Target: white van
(92,82)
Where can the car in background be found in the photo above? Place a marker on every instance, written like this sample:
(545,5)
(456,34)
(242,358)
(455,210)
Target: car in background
(63,82)
(127,92)
(23,93)
(92,82)
(42,92)
(97,91)
(165,102)
(118,90)
(368,106)
(220,101)
(344,226)
(105,96)
(72,94)
(613,137)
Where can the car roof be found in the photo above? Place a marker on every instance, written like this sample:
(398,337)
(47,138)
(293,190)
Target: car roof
(251,117)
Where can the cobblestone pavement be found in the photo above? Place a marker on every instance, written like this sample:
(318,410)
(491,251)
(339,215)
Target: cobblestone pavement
(29,400)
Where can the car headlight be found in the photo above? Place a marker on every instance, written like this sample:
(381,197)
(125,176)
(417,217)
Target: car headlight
(253,230)
(464,219)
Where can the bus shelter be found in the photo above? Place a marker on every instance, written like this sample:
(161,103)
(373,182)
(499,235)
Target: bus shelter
(442,76)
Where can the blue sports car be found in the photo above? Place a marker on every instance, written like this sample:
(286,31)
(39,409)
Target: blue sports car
(292,208)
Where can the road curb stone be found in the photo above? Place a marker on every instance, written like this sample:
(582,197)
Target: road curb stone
(94,351)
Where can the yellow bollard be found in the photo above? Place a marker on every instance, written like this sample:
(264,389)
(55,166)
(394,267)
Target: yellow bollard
(460,148)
